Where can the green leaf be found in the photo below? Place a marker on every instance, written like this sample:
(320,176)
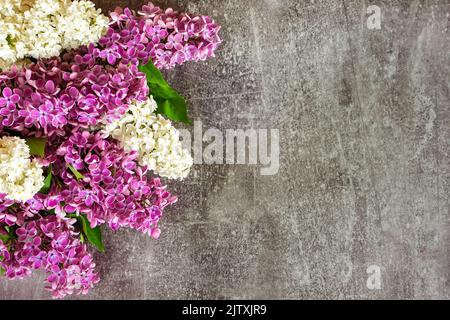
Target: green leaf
(94,236)
(173,108)
(47,182)
(4,238)
(2,271)
(153,74)
(170,103)
(37,146)
(77,173)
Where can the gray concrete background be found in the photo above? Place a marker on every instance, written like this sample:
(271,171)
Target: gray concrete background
(364,178)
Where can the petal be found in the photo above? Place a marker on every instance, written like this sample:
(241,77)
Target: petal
(89,201)
(50,86)
(111,59)
(52,278)
(7,92)
(15,98)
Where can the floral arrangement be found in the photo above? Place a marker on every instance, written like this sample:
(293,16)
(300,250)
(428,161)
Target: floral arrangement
(85,129)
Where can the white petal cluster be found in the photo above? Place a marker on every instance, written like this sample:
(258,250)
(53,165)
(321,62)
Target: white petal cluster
(20,177)
(43,28)
(154,138)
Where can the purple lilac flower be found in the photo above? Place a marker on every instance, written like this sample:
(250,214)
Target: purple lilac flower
(69,267)
(6,217)
(96,83)
(56,96)
(9,99)
(114,189)
(167,37)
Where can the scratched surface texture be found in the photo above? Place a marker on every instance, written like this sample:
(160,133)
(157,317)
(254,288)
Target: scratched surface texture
(364,166)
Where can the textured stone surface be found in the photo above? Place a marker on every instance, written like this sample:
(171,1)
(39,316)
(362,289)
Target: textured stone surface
(364,176)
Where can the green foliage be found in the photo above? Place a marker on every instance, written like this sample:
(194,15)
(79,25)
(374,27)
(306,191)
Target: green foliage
(170,103)
(47,182)
(76,173)
(37,146)
(93,235)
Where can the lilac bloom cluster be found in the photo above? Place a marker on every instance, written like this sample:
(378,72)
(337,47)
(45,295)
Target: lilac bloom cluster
(93,177)
(52,244)
(114,188)
(95,84)
(6,217)
(167,37)
(53,96)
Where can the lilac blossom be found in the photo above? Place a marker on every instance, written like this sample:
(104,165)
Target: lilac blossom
(167,37)
(52,244)
(95,84)
(56,96)
(114,189)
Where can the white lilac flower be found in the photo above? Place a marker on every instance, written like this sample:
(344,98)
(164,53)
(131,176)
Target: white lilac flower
(81,24)
(43,28)
(154,138)
(20,177)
